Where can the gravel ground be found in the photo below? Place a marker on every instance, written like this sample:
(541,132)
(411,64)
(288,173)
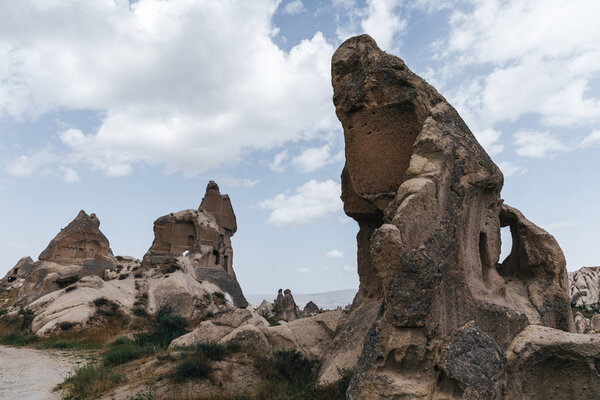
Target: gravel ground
(30,374)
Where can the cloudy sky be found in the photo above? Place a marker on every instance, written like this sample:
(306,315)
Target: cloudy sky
(127,109)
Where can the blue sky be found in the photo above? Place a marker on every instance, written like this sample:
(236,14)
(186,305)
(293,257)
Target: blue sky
(127,110)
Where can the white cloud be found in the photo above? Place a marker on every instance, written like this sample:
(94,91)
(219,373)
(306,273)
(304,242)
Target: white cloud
(294,7)
(335,254)
(379,19)
(488,138)
(537,144)
(316,157)
(206,77)
(277,164)
(69,175)
(590,140)
(542,56)
(230,181)
(382,23)
(26,166)
(303,270)
(311,201)
(510,169)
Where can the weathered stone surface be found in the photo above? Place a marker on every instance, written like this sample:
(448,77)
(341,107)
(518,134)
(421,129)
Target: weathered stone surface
(311,336)
(265,308)
(199,241)
(81,240)
(76,305)
(584,288)
(284,306)
(427,200)
(47,277)
(311,307)
(545,363)
(207,331)
(248,335)
(17,275)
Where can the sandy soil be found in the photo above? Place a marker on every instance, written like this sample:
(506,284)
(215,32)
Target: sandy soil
(32,374)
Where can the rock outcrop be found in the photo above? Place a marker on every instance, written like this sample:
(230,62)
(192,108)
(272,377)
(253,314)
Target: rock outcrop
(544,363)
(199,242)
(436,311)
(81,240)
(15,278)
(584,288)
(284,306)
(80,249)
(310,336)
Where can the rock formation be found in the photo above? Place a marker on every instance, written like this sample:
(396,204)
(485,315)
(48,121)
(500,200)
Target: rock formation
(81,240)
(311,307)
(17,275)
(584,288)
(436,311)
(80,249)
(199,242)
(284,306)
(310,336)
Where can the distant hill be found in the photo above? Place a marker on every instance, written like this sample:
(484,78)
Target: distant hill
(326,300)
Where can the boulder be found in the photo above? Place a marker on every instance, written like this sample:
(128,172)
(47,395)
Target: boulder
(284,306)
(248,335)
(207,331)
(546,363)
(584,288)
(426,197)
(15,278)
(310,336)
(88,303)
(311,307)
(265,308)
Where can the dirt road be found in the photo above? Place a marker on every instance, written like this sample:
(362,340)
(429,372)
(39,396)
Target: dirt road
(32,374)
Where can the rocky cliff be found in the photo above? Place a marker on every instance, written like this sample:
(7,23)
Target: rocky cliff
(436,310)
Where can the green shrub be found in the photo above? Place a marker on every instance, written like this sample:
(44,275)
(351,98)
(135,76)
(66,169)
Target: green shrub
(233,347)
(212,350)
(167,327)
(192,368)
(27,316)
(18,338)
(90,381)
(140,312)
(127,352)
(58,344)
(123,276)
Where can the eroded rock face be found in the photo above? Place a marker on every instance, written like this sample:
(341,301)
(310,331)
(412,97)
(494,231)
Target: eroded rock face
(79,241)
(427,200)
(284,306)
(17,275)
(199,242)
(79,250)
(584,287)
(546,363)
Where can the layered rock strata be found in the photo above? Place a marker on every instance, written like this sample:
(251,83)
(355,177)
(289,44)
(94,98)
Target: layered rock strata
(436,311)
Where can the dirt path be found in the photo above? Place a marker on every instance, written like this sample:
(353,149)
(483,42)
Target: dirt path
(32,374)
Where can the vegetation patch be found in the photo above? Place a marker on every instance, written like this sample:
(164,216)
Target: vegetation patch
(193,368)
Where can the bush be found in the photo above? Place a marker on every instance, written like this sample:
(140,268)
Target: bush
(140,312)
(18,339)
(167,327)
(27,316)
(90,381)
(212,350)
(124,353)
(123,276)
(191,369)
(58,344)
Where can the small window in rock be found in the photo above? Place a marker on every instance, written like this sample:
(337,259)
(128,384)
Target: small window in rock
(16,271)
(226,261)
(217,257)
(506,238)
(191,239)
